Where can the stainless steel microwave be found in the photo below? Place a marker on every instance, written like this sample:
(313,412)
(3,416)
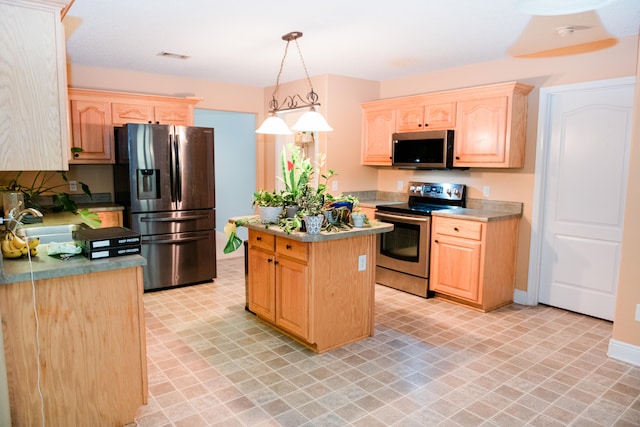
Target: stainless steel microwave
(427,149)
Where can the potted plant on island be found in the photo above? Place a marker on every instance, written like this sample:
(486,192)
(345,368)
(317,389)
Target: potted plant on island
(270,205)
(310,201)
(296,172)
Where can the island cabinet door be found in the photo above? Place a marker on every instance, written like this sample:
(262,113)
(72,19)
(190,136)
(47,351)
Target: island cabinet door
(292,297)
(262,283)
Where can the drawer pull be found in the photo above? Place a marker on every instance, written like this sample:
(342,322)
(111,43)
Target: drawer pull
(436,241)
(455,229)
(259,239)
(269,260)
(288,247)
(275,263)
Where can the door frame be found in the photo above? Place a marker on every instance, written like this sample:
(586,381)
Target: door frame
(541,169)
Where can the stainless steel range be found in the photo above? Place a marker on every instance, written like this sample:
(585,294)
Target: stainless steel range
(403,254)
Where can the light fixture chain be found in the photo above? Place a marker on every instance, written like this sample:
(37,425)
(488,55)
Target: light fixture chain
(304,65)
(275,91)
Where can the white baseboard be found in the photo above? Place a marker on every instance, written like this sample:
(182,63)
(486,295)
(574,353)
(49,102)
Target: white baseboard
(520,297)
(624,352)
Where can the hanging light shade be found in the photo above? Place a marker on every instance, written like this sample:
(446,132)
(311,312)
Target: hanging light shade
(311,121)
(274,125)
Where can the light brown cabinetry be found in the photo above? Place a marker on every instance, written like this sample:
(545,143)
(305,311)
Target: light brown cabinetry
(33,110)
(95,113)
(92,348)
(489,123)
(279,287)
(473,262)
(491,127)
(425,116)
(110,218)
(379,124)
(313,291)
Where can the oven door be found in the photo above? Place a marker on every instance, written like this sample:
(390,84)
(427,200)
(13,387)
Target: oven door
(406,248)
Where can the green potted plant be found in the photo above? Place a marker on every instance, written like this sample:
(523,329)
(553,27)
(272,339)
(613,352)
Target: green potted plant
(310,202)
(296,172)
(269,204)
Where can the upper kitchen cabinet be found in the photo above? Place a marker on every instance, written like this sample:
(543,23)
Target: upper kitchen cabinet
(426,114)
(379,122)
(34,133)
(491,126)
(94,114)
(489,123)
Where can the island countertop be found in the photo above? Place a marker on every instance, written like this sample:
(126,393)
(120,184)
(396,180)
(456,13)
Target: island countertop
(374,227)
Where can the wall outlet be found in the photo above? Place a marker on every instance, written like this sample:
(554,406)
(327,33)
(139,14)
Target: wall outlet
(362,263)
(73,186)
(400,185)
(486,190)
(638,312)
(334,186)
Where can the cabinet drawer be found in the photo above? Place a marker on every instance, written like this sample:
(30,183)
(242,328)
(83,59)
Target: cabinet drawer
(291,248)
(262,240)
(458,228)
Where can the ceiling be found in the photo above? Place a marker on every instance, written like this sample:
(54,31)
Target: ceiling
(239,41)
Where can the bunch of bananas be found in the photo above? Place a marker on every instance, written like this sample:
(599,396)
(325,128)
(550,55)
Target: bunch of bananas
(14,247)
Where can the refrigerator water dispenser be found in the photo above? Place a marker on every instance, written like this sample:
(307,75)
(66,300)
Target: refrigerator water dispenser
(148,184)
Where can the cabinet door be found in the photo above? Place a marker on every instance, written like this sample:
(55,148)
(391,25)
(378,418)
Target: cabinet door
(110,218)
(92,131)
(131,113)
(440,116)
(292,296)
(33,84)
(455,267)
(481,133)
(379,124)
(261,282)
(410,118)
(179,115)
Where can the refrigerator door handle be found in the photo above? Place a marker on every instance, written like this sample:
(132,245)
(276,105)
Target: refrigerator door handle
(180,219)
(178,171)
(172,169)
(173,241)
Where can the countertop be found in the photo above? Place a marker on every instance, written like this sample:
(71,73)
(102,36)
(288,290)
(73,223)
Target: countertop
(46,267)
(476,214)
(374,227)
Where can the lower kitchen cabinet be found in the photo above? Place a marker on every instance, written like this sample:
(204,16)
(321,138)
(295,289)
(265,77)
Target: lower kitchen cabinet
(473,262)
(314,292)
(90,344)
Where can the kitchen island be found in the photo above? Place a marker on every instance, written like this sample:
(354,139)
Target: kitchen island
(90,335)
(317,289)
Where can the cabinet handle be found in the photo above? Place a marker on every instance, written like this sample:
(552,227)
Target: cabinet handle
(269,260)
(436,241)
(259,239)
(76,155)
(275,263)
(457,157)
(288,247)
(426,124)
(420,125)
(455,229)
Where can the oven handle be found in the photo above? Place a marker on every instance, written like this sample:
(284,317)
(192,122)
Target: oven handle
(401,217)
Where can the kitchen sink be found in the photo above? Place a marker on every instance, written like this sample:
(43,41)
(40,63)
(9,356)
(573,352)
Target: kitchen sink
(53,233)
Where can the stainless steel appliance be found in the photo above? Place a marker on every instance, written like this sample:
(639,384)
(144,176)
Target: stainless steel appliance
(426,149)
(403,254)
(164,176)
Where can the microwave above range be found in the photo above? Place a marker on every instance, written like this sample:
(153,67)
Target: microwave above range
(428,149)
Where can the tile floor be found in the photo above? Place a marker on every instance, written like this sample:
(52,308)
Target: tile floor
(211,363)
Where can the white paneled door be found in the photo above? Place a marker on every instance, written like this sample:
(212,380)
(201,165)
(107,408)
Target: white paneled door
(581,177)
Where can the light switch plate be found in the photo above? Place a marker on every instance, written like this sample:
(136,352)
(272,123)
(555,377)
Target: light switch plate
(638,312)
(73,186)
(362,263)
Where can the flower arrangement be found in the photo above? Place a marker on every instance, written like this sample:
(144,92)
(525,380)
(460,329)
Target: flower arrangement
(297,172)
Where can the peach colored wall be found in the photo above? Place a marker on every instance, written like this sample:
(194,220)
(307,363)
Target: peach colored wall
(625,327)
(511,184)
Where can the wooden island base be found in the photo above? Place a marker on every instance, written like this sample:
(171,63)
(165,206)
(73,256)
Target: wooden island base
(320,293)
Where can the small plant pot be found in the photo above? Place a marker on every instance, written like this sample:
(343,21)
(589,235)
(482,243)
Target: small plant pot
(313,223)
(329,215)
(358,219)
(269,214)
(290,211)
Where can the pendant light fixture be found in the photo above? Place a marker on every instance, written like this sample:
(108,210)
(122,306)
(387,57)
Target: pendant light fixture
(311,121)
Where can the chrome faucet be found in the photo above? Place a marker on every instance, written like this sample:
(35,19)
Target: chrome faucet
(13,222)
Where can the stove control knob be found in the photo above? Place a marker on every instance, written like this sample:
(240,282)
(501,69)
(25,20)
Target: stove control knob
(456,192)
(449,191)
(418,189)
(412,188)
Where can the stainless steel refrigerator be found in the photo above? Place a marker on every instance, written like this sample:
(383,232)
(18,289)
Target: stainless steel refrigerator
(164,176)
